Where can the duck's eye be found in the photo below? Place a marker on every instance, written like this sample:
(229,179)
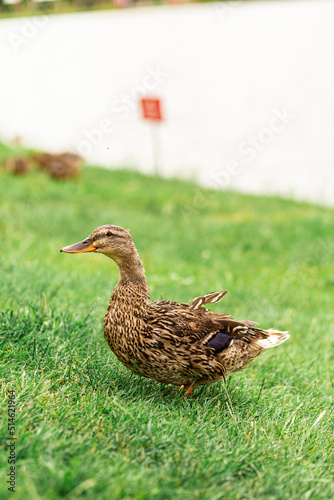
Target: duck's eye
(109,233)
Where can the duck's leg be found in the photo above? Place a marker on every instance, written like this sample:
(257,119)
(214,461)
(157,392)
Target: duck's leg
(189,389)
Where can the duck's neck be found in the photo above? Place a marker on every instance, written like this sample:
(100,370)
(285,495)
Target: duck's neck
(131,271)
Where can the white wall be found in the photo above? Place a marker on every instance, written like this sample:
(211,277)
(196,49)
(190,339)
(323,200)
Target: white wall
(247,90)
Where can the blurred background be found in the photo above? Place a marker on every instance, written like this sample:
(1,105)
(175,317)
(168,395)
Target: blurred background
(245,88)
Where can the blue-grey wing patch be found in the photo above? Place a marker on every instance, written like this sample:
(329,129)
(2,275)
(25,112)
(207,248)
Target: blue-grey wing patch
(220,342)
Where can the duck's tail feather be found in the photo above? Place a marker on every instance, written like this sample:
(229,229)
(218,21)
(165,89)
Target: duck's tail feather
(273,339)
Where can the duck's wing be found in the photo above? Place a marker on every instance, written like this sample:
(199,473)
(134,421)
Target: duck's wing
(197,303)
(193,323)
(212,298)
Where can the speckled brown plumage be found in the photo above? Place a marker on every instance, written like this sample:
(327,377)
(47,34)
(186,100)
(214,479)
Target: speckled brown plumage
(171,342)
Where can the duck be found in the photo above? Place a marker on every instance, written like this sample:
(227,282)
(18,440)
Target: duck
(184,344)
(59,166)
(18,165)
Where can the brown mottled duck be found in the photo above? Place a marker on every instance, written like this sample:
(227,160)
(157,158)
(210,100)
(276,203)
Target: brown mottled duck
(59,166)
(17,166)
(171,342)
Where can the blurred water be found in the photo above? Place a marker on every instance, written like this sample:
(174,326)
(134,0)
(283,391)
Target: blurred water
(246,88)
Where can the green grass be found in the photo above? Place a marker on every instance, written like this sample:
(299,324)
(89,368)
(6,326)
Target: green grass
(87,428)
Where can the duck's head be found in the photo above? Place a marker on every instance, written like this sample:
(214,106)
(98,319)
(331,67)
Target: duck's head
(116,243)
(113,241)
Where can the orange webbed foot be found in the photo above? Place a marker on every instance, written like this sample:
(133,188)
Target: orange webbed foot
(188,389)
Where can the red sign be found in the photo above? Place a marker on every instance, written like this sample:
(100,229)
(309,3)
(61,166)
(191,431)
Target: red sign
(151,109)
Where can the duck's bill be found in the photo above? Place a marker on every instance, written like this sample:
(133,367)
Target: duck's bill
(82,246)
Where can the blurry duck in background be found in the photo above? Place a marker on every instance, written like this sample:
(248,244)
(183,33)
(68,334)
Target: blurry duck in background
(170,342)
(18,165)
(59,166)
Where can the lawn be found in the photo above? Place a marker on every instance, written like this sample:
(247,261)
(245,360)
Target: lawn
(87,427)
